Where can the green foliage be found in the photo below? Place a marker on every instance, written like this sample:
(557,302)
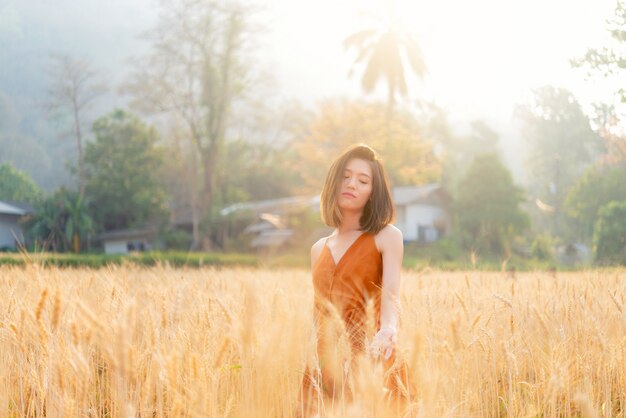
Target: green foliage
(253,172)
(561,146)
(487,207)
(291,259)
(174,259)
(46,227)
(78,222)
(609,240)
(596,188)
(123,166)
(446,249)
(460,151)
(176,239)
(17,186)
(542,248)
(61,222)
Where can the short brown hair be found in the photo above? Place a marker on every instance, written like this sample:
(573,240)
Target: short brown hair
(379,209)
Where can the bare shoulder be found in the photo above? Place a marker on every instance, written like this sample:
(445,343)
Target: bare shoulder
(390,237)
(316,250)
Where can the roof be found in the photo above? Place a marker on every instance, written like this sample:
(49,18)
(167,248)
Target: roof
(266,221)
(11,209)
(124,234)
(274,238)
(282,205)
(26,207)
(413,194)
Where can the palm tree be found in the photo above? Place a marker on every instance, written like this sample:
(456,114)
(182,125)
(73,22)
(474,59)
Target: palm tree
(60,221)
(46,224)
(385,52)
(78,221)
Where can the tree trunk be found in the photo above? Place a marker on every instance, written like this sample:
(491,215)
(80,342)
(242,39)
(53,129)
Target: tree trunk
(195,211)
(219,103)
(208,171)
(75,243)
(79,146)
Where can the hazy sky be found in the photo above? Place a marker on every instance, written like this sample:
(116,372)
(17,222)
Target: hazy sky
(483,55)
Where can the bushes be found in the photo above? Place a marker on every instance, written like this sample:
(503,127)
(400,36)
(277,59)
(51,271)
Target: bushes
(176,259)
(609,239)
(176,239)
(542,248)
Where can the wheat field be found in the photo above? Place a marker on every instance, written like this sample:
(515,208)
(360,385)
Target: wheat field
(169,342)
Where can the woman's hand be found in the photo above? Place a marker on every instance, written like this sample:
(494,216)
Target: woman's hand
(384,342)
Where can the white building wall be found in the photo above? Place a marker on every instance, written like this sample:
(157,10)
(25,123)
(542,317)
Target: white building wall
(415,216)
(8,227)
(115,247)
(400,220)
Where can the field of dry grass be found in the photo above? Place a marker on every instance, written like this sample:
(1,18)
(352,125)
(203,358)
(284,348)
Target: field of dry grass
(164,342)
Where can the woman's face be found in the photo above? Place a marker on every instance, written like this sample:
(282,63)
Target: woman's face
(356,186)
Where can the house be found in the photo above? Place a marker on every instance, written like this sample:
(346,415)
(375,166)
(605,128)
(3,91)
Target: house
(11,233)
(422,212)
(269,231)
(269,226)
(124,241)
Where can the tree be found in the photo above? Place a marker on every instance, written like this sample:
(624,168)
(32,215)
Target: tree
(409,158)
(385,51)
(460,150)
(561,145)
(610,62)
(199,66)
(78,222)
(610,234)
(607,122)
(47,225)
(487,206)
(596,188)
(17,186)
(60,221)
(123,177)
(74,86)
(255,172)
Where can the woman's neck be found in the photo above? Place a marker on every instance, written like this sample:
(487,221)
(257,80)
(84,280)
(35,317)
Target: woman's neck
(351,221)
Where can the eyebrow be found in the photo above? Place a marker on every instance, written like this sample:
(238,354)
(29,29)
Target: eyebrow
(360,174)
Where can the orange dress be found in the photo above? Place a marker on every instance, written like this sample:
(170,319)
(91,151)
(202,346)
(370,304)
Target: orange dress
(342,293)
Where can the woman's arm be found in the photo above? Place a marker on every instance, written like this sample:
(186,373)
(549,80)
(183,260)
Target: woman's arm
(392,250)
(316,250)
(390,244)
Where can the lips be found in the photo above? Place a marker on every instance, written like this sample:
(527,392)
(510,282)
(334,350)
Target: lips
(350,195)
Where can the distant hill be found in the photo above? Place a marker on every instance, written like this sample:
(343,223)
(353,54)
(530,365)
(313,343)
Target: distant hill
(104,33)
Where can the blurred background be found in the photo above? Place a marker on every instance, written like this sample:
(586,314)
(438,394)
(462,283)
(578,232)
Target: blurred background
(188,125)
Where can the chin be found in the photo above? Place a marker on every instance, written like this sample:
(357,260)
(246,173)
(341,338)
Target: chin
(351,206)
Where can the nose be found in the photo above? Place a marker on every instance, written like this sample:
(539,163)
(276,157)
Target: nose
(352,182)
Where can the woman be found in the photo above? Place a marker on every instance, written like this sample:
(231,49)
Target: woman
(356,280)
